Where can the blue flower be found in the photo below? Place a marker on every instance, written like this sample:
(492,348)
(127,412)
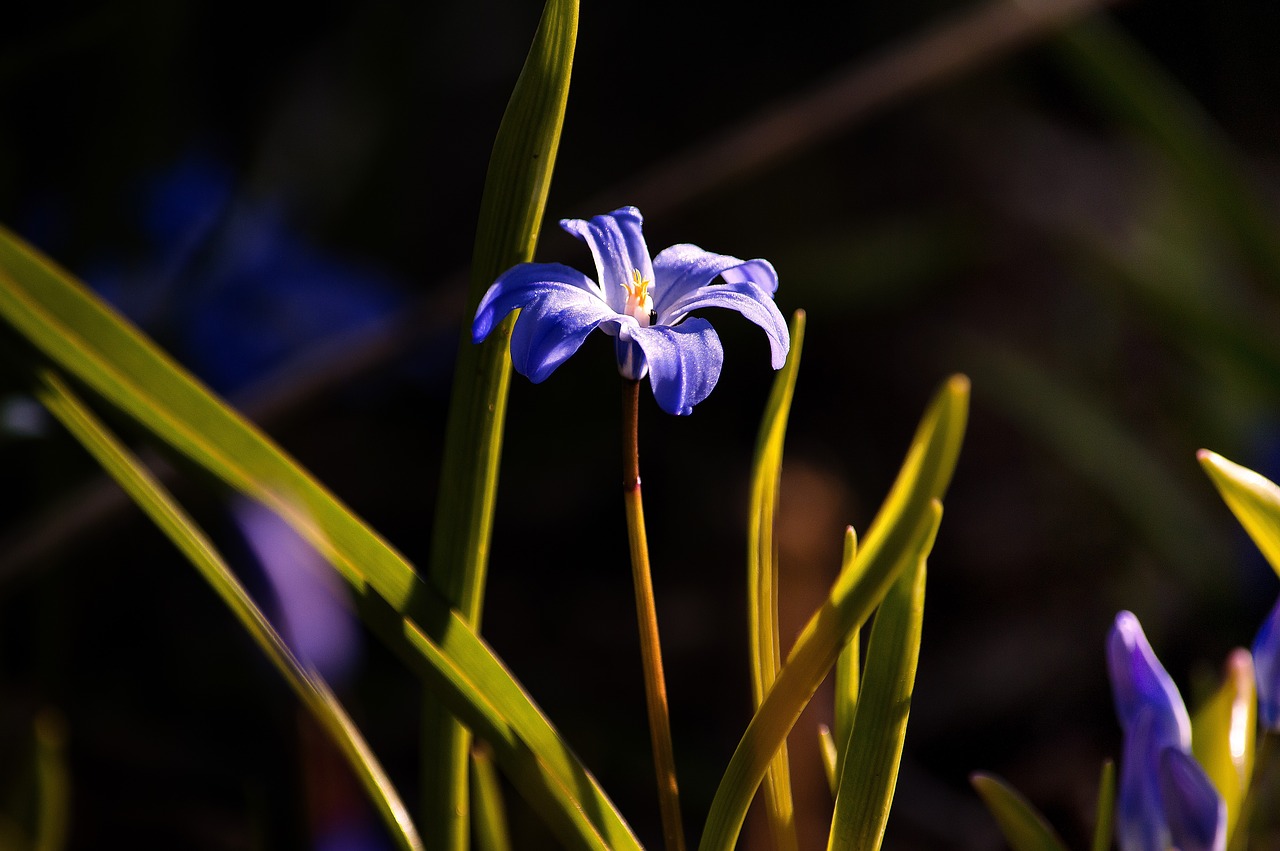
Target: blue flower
(643,303)
(1166,800)
(1266,664)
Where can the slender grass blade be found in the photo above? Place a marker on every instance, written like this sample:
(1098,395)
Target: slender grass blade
(901,534)
(762,579)
(511,210)
(1106,809)
(156,502)
(1024,828)
(874,750)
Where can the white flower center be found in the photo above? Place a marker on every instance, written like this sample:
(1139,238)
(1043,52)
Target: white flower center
(639,303)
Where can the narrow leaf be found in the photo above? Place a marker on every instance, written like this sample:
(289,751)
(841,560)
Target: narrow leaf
(153,499)
(53,783)
(870,767)
(1223,730)
(827,750)
(1252,498)
(511,210)
(847,674)
(490,816)
(762,579)
(1024,828)
(1106,809)
(901,534)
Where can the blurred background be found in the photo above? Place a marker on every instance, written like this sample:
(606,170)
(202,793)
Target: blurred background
(1076,207)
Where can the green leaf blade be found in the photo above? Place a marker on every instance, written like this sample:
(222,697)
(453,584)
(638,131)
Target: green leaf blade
(1252,498)
(511,211)
(156,502)
(902,533)
(1104,818)
(762,578)
(1024,828)
(874,750)
(1223,730)
(73,329)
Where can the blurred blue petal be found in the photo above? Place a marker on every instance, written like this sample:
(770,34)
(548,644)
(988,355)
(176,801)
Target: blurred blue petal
(318,627)
(1196,813)
(1140,683)
(1266,666)
(1165,799)
(228,284)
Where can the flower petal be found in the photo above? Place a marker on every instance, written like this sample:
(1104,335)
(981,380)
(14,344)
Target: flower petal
(1139,681)
(1140,824)
(684,362)
(618,246)
(519,285)
(1266,665)
(684,275)
(559,307)
(683,269)
(1193,809)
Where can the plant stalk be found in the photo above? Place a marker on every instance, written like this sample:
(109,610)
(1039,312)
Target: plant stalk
(655,687)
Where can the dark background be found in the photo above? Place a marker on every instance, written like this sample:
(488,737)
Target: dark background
(262,186)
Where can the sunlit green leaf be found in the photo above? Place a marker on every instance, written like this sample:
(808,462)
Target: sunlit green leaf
(489,818)
(827,750)
(901,535)
(762,578)
(511,210)
(1223,730)
(156,502)
(847,673)
(1024,828)
(874,750)
(1252,498)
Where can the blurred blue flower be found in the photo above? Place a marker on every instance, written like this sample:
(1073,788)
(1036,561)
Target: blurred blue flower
(643,303)
(1266,666)
(1166,800)
(229,284)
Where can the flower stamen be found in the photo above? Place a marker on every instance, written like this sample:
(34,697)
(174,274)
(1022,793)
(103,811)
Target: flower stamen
(639,303)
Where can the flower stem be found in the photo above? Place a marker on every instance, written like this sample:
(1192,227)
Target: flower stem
(655,687)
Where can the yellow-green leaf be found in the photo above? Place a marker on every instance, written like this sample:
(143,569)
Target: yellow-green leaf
(874,751)
(1252,498)
(847,674)
(1104,817)
(159,505)
(511,210)
(901,535)
(762,579)
(1024,828)
(1223,730)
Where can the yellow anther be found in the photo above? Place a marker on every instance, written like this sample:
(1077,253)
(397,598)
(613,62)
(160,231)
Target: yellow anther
(639,288)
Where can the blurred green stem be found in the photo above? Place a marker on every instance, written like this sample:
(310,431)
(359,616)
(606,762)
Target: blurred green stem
(1259,823)
(655,686)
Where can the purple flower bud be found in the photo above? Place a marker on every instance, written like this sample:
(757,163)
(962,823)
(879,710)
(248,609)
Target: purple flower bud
(1266,665)
(1165,799)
